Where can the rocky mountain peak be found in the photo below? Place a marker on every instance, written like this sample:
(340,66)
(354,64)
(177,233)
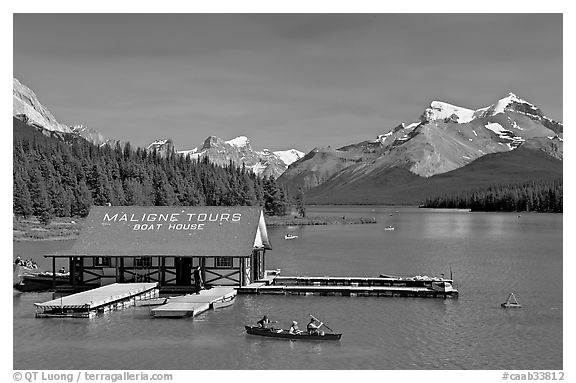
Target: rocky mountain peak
(28,108)
(25,102)
(445,138)
(239,151)
(240,142)
(212,142)
(162,147)
(439,110)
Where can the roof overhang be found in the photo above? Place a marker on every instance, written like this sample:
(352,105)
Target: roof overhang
(178,231)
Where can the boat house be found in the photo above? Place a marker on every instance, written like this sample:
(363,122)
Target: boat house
(176,246)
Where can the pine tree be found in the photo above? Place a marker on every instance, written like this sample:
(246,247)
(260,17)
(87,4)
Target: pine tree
(82,200)
(164,195)
(301,203)
(41,206)
(22,201)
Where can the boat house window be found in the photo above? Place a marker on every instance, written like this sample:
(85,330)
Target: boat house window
(223,262)
(143,262)
(102,261)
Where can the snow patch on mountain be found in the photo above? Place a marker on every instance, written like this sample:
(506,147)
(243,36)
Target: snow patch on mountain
(258,168)
(289,156)
(157,143)
(439,110)
(505,134)
(190,152)
(239,142)
(496,128)
(503,103)
(382,137)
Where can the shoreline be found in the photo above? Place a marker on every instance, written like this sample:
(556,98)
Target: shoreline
(65,229)
(273,221)
(60,229)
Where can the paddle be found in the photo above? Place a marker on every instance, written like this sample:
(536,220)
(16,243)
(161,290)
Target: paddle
(318,320)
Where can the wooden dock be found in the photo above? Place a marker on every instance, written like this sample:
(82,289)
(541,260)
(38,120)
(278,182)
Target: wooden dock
(191,305)
(87,304)
(355,286)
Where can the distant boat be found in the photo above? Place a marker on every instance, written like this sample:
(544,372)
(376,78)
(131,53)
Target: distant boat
(153,302)
(389,228)
(511,302)
(227,301)
(290,236)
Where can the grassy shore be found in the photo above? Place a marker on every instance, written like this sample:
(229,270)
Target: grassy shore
(31,229)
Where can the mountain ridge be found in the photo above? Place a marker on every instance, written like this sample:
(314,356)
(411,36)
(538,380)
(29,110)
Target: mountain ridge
(398,186)
(28,109)
(445,138)
(238,150)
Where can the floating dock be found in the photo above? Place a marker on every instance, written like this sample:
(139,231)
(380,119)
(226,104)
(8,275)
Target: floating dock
(191,305)
(425,287)
(87,304)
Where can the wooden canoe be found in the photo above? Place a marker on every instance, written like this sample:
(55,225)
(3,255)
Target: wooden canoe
(285,334)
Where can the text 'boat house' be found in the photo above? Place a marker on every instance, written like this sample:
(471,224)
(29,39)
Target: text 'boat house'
(174,246)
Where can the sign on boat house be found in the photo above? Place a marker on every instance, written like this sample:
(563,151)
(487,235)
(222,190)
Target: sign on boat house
(226,246)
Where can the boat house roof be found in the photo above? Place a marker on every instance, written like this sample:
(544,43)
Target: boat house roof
(182,231)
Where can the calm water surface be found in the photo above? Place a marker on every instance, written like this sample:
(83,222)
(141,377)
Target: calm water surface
(490,254)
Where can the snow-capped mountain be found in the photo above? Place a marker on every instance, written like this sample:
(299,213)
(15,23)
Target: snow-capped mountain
(445,137)
(25,102)
(27,107)
(93,136)
(239,151)
(289,156)
(162,147)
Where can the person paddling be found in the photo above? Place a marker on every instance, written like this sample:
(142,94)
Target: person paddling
(265,321)
(294,329)
(313,328)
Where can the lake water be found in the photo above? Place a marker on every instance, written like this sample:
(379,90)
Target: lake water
(490,255)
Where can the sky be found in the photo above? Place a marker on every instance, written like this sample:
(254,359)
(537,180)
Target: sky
(284,80)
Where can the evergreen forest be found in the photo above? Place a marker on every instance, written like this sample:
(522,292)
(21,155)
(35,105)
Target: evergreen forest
(63,176)
(543,197)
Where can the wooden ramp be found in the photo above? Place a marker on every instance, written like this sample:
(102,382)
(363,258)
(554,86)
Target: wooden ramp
(87,303)
(193,304)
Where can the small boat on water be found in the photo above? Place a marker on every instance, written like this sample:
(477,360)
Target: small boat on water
(153,302)
(273,272)
(285,334)
(290,236)
(389,228)
(511,302)
(227,301)
(26,279)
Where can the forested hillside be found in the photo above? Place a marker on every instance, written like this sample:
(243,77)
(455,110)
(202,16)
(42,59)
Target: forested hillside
(63,179)
(544,197)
